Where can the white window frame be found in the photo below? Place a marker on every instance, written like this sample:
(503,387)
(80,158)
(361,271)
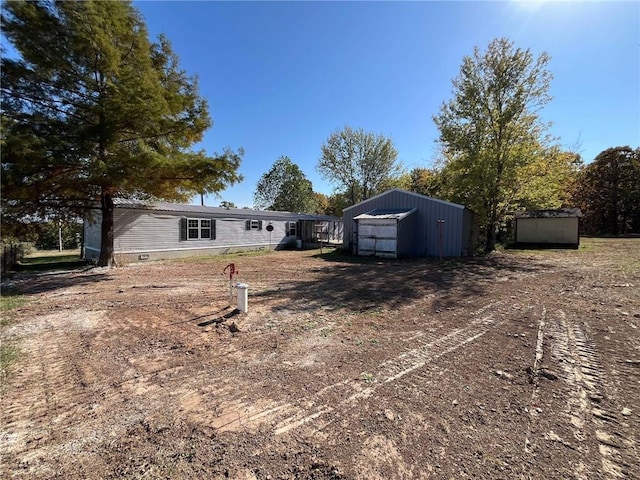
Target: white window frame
(252,224)
(198,228)
(292,226)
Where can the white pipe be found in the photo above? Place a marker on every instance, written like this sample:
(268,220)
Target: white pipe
(243,297)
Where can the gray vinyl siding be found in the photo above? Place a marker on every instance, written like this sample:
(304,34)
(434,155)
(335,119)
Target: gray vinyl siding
(137,231)
(424,231)
(150,234)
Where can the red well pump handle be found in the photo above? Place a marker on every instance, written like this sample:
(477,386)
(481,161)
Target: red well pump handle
(232,271)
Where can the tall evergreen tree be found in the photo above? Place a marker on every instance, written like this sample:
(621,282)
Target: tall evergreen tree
(92,111)
(491,128)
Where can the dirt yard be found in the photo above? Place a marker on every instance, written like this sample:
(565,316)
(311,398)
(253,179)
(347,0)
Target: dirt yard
(521,365)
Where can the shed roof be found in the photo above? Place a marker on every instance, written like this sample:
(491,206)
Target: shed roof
(396,214)
(405,192)
(218,211)
(558,213)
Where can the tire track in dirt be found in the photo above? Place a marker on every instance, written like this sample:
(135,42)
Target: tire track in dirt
(60,416)
(56,387)
(431,348)
(535,372)
(589,373)
(236,413)
(583,374)
(560,352)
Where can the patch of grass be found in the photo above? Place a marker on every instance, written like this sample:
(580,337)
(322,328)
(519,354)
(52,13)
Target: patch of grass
(450,264)
(44,261)
(220,257)
(9,302)
(627,266)
(308,325)
(367,377)
(342,256)
(630,270)
(53,253)
(248,253)
(326,250)
(325,332)
(586,245)
(9,353)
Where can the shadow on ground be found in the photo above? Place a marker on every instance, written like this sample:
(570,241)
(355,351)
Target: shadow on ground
(219,319)
(52,280)
(52,266)
(364,283)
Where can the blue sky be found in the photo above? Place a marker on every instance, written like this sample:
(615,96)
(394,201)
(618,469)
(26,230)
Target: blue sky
(280,77)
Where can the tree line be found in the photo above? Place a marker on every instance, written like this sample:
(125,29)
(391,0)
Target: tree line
(607,190)
(496,156)
(92,110)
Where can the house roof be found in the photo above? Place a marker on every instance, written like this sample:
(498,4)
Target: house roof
(444,202)
(397,214)
(558,213)
(219,211)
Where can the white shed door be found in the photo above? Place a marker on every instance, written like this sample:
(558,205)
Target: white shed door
(378,237)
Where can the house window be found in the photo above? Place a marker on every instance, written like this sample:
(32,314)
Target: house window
(253,225)
(200,229)
(291,229)
(205,228)
(193,226)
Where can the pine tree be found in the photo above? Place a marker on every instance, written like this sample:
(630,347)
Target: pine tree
(92,111)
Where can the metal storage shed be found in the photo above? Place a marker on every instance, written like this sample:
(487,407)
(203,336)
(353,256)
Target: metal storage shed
(549,228)
(435,228)
(381,233)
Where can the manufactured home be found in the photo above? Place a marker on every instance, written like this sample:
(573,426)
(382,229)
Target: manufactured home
(548,228)
(152,231)
(398,223)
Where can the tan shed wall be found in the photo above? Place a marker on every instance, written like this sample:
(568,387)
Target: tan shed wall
(547,230)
